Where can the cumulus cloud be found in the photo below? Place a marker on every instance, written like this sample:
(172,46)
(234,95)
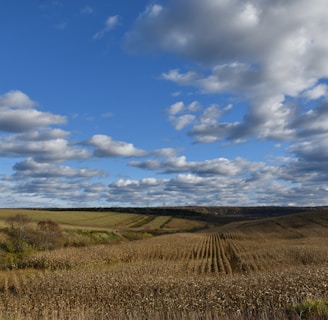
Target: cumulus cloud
(38,179)
(264,52)
(214,167)
(166,152)
(43,150)
(266,60)
(32,169)
(66,192)
(316,92)
(232,30)
(182,121)
(204,120)
(24,120)
(17,99)
(268,57)
(40,173)
(178,120)
(314,150)
(226,182)
(313,122)
(105,146)
(192,189)
(187,78)
(17,114)
(28,132)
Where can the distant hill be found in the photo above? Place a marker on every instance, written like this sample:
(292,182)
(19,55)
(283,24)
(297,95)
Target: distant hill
(208,213)
(313,222)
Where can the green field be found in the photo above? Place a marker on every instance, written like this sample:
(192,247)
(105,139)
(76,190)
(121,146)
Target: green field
(106,220)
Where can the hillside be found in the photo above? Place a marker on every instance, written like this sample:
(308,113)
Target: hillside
(199,211)
(217,215)
(248,267)
(292,226)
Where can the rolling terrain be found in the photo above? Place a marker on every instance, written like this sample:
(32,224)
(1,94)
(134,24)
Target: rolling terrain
(250,266)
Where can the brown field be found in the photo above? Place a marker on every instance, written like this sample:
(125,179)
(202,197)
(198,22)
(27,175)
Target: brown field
(254,269)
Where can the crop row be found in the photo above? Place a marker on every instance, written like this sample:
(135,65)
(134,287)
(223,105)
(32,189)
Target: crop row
(141,291)
(198,253)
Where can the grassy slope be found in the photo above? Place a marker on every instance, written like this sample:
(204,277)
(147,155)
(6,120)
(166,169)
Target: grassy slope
(258,245)
(293,225)
(301,225)
(107,220)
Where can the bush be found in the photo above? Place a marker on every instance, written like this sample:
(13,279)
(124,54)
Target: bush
(312,309)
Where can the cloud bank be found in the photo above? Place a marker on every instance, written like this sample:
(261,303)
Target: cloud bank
(267,58)
(264,52)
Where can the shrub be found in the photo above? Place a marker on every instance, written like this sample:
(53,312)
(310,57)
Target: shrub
(312,309)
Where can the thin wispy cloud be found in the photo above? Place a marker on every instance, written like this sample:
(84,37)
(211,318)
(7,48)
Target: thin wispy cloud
(110,24)
(87,10)
(61,25)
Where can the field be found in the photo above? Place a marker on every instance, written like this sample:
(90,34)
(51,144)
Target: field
(265,268)
(106,220)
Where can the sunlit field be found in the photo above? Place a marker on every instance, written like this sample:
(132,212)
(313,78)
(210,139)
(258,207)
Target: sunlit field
(106,220)
(269,268)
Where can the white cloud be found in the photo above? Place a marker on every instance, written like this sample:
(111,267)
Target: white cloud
(214,167)
(313,122)
(31,169)
(248,17)
(179,114)
(314,150)
(191,189)
(110,23)
(316,92)
(209,133)
(44,135)
(166,152)
(51,150)
(268,58)
(20,120)
(180,122)
(180,78)
(16,99)
(180,106)
(105,146)
(212,113)
(33,136)
(154,10)
(18,115)
(56,192)
(264,52)
(176,108)
(205,128)
(219,37)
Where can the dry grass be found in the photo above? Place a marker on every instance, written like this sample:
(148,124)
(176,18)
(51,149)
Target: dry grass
(236,272)
(142,290)
(105,220)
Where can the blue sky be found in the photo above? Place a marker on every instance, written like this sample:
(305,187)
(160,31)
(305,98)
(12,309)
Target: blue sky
(177,102)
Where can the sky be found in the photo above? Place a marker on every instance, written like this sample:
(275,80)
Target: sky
(163,103)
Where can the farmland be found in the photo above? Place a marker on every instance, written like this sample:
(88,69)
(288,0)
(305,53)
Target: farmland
(107,220)
(186,268)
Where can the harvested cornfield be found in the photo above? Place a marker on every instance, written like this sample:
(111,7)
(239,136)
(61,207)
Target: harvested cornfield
(233,272)
(155,290)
